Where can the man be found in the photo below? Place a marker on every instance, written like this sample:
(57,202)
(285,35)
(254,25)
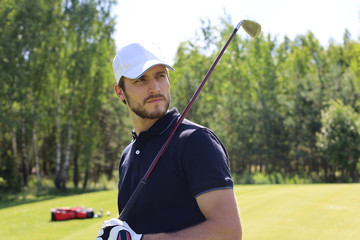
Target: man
(190,192)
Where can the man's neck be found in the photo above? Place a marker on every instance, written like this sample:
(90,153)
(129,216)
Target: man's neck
(142,124)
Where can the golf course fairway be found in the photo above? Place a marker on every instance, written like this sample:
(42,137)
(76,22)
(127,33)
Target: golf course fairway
(268,212)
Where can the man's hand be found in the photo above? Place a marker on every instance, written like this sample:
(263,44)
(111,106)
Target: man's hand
(115,229)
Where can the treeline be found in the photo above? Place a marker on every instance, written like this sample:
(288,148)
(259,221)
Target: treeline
(290,107)
(58,116)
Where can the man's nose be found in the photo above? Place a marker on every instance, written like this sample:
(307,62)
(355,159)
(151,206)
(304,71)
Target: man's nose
(154,85)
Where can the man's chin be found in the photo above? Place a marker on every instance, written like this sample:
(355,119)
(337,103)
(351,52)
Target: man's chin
(150,111)
(153,114)
(156,114)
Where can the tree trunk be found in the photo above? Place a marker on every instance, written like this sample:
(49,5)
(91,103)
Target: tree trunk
(24,155)
(68,147)
(86,177)
(356,177)
(14,146)
(37,168)
(67,154)
(58,117)
(110,158)
(30,156)
(76,170)
(37,165)
(58,144)
(325,166)
(76,161)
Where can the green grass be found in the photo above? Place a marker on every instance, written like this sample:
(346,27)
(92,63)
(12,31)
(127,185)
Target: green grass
(293,212)
(33,220)
(313,211)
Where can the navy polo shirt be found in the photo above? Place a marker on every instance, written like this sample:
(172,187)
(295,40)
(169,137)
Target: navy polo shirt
(195,162)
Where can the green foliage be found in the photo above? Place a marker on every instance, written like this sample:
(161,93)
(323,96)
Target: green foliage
(32,192)
(339,139)
(266,99)
(272,178)
(56,70)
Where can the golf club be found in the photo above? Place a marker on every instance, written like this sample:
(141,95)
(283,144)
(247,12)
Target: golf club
(253,29)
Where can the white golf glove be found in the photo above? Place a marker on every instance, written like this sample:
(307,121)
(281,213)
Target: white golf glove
(115,229)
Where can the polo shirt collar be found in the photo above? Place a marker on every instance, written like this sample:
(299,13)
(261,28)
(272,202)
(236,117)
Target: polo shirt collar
(161,125)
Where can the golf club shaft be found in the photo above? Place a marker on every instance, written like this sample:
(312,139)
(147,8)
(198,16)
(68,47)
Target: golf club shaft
(134,196)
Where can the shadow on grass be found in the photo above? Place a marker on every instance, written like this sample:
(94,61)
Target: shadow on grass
(11,199)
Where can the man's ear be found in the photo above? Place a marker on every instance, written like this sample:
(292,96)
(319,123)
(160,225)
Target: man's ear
(119,92)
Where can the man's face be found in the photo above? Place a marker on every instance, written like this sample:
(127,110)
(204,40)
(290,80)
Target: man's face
(148,96)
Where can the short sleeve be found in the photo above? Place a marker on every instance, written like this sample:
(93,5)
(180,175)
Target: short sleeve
(206,163)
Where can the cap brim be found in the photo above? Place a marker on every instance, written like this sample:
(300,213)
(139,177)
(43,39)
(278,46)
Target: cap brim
(138,71)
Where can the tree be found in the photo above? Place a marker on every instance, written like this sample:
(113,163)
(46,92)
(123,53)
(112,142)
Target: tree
(88,40)
(339,139)
(24,68)
(54,50)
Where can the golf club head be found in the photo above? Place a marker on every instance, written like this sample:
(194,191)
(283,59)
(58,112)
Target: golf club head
(251,27)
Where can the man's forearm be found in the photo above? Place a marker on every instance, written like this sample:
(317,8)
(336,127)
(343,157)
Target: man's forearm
(222,219)
(207,230)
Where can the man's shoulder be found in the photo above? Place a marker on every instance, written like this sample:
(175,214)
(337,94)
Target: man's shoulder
(189,128)
(187,124)
(197,133)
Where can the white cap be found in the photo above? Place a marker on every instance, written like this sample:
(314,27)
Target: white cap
(133,60)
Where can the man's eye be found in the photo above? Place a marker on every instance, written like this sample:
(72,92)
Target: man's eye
(139,80)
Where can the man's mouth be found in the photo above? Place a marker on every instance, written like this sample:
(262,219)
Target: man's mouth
(154,99)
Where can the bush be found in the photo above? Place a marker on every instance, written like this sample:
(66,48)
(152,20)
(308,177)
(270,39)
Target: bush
(339,139)
(10,180)
(271,178)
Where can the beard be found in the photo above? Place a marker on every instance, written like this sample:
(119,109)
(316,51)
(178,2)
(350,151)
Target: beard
(139,109)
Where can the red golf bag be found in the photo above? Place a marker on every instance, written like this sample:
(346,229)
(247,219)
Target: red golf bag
(66,213)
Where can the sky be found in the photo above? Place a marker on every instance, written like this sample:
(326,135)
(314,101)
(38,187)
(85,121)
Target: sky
(161,25)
